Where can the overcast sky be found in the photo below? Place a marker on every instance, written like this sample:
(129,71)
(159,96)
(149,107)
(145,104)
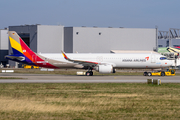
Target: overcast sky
(100,13)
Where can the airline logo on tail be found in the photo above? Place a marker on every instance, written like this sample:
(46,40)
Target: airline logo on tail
(20,49)
(22,53)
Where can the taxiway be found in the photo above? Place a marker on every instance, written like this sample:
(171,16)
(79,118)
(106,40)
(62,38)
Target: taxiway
(51,78)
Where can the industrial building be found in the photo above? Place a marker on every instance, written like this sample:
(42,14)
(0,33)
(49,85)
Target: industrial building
(169,38)
(165,42)
(103,40)
(4,47)
(53,39)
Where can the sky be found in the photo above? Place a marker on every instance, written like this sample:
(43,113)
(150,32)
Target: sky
(101,13)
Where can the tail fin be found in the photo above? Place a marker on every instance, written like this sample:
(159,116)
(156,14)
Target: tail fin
(22,53)
(18,45)
(20,50)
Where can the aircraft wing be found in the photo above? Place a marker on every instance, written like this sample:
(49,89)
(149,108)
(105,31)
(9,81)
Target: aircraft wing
(84,63)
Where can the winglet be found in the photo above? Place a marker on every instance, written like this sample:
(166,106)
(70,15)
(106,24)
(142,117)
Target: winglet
(64,55)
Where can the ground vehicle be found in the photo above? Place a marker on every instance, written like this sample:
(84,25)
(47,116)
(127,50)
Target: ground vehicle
(30,66)
(169,72)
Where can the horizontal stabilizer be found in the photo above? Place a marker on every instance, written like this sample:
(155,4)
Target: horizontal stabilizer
(14,57)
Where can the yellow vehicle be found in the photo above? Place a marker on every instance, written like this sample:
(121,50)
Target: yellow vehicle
(30,66)
(169,72)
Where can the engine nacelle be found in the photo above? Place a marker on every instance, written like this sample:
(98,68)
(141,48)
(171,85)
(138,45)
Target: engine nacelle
(105,69)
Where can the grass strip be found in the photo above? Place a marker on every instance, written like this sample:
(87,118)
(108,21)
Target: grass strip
(87,101)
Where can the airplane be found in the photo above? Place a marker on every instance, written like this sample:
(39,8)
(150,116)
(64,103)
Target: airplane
(101,62)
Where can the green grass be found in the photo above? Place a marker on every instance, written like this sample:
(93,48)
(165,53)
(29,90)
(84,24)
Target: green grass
(80,101)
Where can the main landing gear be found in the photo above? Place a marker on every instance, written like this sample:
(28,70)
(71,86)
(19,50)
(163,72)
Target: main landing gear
(89,72)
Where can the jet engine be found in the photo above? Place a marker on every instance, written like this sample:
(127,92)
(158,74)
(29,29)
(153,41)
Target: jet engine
(105,69)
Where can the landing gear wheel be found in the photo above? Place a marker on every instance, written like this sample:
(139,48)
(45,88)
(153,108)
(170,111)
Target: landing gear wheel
(162,74)
(89,73)
(145,74)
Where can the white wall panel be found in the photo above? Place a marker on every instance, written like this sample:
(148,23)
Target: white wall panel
(4,40)
(50,39)
(105,39)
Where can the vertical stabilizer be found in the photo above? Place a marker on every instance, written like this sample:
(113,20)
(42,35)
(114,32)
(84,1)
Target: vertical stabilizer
(19,47)
(22,53)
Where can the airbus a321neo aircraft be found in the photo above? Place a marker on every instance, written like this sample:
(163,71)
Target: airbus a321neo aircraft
(101,62)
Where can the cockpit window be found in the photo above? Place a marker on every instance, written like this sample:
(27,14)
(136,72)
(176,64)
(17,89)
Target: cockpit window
(163,58)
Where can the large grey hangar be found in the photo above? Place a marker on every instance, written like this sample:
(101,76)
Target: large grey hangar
(45,38)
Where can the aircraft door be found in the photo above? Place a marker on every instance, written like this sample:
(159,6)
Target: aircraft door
(153,58)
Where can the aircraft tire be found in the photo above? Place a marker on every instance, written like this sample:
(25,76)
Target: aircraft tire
(89,73)
(162,73)
(145,74)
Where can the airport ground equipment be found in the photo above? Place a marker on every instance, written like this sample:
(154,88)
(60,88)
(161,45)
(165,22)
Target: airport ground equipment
(81,73)
(169,72)
(30,66)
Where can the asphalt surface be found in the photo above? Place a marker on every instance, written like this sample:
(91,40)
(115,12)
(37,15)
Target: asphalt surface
(46,78)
